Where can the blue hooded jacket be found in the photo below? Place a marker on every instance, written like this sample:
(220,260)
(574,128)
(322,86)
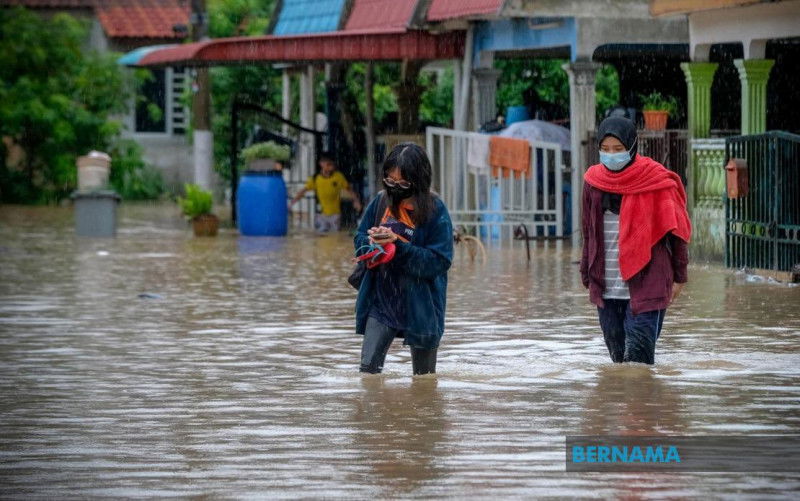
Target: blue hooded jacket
(425,261)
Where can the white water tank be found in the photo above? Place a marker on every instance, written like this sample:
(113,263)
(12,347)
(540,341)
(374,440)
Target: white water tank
(93,171)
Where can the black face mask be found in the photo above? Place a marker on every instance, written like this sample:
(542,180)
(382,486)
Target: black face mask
(397,193)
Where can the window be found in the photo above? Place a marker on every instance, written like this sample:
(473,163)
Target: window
(159,102)
(151,103)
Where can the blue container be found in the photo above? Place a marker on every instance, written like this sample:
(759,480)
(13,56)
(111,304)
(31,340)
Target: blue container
(261,204)
(516,114)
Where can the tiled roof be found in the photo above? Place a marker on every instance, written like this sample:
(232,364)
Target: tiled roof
(142,18)
(55,4)
(380,14)
(441,10)
(125,18)
(308,16)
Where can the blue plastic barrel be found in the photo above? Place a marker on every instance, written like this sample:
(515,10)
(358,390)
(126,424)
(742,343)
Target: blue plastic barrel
(516,114)
(261,204)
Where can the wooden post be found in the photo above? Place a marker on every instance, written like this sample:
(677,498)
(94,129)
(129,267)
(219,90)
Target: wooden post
(370,131)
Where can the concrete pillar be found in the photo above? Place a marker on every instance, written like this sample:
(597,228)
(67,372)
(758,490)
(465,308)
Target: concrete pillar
(286,99)
(307,109)
(485,85)
(462,112)
(203,152)
(754,74)
(699,77)
(582,119)
(456,88)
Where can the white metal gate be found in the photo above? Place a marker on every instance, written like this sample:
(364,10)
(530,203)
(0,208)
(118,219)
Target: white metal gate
(490,203)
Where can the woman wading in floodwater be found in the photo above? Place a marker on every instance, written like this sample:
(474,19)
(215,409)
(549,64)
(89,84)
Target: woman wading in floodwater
(635,238)
(405,297)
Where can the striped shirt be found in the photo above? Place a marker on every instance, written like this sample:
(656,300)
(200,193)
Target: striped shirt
(616,287)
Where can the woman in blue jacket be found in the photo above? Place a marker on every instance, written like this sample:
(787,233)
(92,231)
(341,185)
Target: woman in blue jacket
(405,297)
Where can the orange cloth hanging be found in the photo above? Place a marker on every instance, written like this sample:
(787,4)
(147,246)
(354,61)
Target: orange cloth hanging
(509,154)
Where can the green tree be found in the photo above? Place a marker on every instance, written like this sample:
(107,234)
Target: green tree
(258,83)
(437,100)
(56,100)
(550,82)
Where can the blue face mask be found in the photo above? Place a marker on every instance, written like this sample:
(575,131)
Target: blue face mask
(617,161)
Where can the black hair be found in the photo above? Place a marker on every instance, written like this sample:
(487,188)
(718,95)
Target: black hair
(416,169)
(326,157)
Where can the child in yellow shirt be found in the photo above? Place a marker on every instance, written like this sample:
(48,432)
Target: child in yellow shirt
(328,184)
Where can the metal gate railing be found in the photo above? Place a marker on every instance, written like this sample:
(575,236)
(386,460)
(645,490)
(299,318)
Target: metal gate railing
(763,228)
(490,203)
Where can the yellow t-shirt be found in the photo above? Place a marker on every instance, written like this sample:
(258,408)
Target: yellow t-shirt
(329,191)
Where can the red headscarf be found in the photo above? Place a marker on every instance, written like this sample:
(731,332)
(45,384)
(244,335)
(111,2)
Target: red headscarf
(654,204)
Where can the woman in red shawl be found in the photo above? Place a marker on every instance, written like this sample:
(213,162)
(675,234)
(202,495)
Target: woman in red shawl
(635,238)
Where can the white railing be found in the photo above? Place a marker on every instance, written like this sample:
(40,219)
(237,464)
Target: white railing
(491,203)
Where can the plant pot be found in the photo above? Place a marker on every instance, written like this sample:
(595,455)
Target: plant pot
(655,119)
(262,165)
(205,225)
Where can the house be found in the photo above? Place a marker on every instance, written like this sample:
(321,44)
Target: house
(124,25)
(742,76)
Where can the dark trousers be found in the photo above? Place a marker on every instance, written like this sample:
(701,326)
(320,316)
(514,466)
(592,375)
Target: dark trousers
(629,337)
(377,340)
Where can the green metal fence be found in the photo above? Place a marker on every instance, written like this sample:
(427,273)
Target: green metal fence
(763,228)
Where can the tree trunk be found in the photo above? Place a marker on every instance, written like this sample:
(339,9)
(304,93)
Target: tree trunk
(409,95)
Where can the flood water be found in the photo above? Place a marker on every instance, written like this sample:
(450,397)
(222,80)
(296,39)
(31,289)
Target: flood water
(237,376)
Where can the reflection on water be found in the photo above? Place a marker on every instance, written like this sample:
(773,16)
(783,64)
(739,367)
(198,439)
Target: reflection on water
(157,364)
(629,399)
(399,428)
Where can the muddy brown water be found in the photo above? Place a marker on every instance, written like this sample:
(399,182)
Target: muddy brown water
(237,377)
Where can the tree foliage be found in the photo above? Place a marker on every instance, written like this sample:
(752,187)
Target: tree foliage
(57,99)
(258,83)
(550,83)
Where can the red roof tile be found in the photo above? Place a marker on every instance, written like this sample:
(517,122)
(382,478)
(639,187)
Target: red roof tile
(380,14)
(441,10)
(142,18)
(45,4)
(125,18)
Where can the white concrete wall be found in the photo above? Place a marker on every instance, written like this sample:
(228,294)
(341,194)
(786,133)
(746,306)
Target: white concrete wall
(172,154)
(615,9)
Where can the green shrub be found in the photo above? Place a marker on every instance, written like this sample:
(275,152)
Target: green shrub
(130,176)
(268,149)
(196,202)
(655,101)
(58,100)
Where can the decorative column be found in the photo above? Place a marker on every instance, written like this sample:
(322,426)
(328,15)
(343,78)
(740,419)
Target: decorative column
(582,119)
(699,77)
(754,74)
(485,84)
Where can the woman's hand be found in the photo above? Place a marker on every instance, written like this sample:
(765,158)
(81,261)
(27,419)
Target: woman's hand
(676,291)
(387,235)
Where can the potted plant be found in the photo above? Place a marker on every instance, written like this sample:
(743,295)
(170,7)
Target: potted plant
(196,206)
(656,108)
(262,157)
